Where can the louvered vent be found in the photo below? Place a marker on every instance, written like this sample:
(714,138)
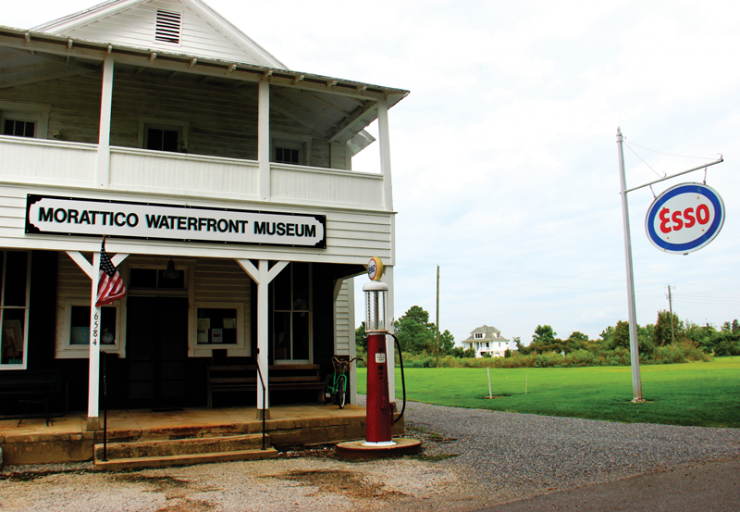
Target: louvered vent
(168,26)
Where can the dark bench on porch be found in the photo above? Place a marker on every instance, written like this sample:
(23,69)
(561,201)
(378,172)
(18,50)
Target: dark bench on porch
(281,377)
(35,388)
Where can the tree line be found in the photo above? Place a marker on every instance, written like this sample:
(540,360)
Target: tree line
(668,340)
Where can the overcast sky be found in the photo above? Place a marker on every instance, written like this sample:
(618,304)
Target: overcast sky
(504,155)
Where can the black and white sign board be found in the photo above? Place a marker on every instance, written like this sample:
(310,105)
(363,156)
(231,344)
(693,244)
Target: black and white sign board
(49,215)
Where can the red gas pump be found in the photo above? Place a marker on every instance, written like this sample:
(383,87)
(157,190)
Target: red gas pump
(379,441)
(379,408)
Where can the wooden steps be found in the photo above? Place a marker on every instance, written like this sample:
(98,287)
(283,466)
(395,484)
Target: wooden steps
(182,452)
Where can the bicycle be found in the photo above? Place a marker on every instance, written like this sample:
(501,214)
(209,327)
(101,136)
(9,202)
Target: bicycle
(336,383)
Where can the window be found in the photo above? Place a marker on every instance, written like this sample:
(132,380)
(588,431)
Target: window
(288,148)
(286,156)
(19,128)
(163,135)
(76,334)
(478,335)
(19,119)
(14,300)
(291,319)
(154,279)
(220,324)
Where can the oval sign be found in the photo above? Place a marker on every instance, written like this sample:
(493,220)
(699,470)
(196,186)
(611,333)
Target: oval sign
(685,218)
(375,269)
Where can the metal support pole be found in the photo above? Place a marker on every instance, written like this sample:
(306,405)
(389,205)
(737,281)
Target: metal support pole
(634,347)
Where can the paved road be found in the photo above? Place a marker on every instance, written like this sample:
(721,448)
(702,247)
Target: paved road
(711,487)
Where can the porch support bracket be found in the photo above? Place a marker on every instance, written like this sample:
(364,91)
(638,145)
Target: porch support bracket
(262,276)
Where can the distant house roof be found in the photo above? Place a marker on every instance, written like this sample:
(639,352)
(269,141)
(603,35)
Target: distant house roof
(490,333)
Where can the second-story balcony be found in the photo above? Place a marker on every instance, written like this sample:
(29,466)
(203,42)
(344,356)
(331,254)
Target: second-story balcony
(87,115)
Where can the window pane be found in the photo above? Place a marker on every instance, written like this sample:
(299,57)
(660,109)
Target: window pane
(281,290)
(282,335)
(293,156)
(169,140)
(15,279)
(108,326)
(300,287)
(79,330)
(19,126)
(300,336)
(30,129)
(154,139)
(143,278)
(171,283)
(8,127)
(12,336)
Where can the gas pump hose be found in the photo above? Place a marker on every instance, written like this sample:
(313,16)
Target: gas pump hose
(403,381)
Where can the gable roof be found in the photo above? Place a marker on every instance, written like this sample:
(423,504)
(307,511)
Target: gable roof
(489,333)
(204,32)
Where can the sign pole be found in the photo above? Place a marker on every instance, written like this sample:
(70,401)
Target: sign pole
(634,348)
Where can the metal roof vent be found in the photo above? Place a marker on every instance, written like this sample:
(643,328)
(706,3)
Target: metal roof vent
(168,26)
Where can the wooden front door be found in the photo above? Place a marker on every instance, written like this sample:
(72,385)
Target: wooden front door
(157,352)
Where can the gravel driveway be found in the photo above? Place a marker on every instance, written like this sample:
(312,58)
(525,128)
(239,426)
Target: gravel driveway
(471,458)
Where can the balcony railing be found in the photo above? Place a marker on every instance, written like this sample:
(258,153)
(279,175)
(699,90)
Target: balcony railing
(70,164)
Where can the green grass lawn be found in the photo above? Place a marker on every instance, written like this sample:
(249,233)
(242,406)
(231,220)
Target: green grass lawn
(698,394)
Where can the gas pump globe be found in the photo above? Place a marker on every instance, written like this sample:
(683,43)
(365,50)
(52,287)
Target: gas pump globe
(376,298)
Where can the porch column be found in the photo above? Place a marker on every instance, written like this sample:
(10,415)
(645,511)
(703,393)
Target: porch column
(263,140)
(262,276)
(385,153)
(93,272)
(102,174)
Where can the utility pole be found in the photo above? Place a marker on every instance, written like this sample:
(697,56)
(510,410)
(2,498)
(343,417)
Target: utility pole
(670,307)
(439,343)
(634,347)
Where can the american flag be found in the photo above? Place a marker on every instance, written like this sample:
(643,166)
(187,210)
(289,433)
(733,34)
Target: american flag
(110,285)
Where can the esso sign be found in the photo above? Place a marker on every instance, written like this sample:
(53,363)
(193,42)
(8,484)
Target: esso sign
(685,218)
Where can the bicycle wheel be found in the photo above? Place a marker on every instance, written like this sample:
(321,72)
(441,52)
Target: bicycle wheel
(341,391)
(328,388)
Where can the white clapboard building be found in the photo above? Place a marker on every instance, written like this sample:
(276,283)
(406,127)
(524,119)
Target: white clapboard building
(223,182)
(486,340)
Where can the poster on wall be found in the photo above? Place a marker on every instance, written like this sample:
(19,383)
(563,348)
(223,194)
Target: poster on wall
(50,215)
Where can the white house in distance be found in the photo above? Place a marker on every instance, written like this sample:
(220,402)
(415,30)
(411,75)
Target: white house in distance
(486,340)
(159,124)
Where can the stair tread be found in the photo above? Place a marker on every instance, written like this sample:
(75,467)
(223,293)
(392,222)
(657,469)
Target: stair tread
(189,458)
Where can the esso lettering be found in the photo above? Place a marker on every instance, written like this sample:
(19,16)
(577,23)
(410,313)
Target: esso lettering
(687,218)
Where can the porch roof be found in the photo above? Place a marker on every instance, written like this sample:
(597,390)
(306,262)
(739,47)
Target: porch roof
(334,108)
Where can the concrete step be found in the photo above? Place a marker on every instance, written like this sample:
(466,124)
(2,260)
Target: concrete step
(184,459)
(170,452)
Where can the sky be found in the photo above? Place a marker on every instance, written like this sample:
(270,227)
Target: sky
(504,155)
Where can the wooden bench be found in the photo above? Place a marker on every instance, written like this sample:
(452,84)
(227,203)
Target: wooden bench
(281,377)
(31,387)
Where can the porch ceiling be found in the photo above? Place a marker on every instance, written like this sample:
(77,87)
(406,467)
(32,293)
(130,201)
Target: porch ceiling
(335,109)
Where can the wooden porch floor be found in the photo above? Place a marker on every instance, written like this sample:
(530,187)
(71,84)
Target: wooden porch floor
(289,425)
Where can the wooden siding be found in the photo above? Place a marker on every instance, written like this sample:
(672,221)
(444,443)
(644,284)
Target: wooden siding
(167,173)
(136,27)
(36,161)
(353,237)
(295,184)
(344,332)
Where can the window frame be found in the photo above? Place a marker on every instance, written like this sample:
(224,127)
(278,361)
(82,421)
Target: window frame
(20,111)
(69,351)
(291,311)
(240,326)
(24,364)
(181,127)
(291,141)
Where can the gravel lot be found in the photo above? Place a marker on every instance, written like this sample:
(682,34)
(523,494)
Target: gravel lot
(471,458)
